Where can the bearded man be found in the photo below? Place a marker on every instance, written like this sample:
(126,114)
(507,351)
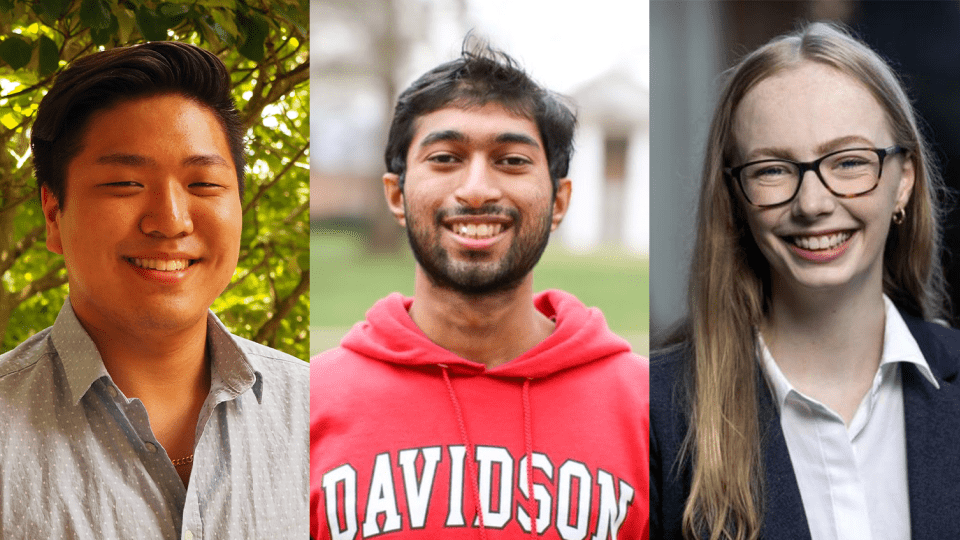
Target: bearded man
(478,407)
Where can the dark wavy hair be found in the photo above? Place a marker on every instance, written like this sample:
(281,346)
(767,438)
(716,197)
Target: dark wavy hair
(483,75)
(99,81)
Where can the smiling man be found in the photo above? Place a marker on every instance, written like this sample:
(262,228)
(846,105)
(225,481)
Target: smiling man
(478,408)
(137,414)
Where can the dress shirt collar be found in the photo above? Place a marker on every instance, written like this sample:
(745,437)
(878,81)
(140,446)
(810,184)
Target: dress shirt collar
(899,345)
(232,372)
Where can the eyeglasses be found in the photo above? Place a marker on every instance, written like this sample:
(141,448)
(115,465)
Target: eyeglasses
(845,173)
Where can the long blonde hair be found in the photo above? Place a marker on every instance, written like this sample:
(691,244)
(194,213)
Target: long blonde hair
(730,284)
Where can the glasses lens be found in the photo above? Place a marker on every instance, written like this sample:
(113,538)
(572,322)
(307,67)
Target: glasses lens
(769,182)
(851,172)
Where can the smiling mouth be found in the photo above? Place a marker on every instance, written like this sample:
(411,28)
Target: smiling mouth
(162,265)
(476,230)
(821,242)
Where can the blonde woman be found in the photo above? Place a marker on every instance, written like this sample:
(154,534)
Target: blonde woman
(809,395)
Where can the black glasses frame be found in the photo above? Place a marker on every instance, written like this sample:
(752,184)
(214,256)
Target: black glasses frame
(882,153)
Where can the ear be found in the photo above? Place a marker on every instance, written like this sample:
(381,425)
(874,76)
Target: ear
(51,214)
(907,178)
(561,202)
(394,196)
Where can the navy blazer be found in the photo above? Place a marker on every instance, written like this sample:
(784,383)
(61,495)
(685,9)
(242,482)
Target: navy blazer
(932,420)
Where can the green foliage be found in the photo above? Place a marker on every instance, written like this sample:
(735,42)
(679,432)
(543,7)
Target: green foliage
(265,46)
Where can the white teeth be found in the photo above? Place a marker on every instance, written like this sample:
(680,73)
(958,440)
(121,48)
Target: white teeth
(163,265)
(484,230)
(828,241)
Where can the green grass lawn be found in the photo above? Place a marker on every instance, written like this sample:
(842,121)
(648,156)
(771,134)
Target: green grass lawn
(345,281)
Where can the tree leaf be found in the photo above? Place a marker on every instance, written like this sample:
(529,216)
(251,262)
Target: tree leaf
(54,9)
(104,35)
(126,20)
(256,28)
(15,51)
(95,14)
(153,26)
(49,56)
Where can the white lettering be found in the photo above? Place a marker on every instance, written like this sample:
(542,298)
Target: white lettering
(612,511)
(346,475)
(540,493)
(487,456)
(455,508)
(418,492)
(568,471)
(382,499)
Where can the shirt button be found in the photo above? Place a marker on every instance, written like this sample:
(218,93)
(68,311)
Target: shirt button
(112,391)
(152,448)
(188,535)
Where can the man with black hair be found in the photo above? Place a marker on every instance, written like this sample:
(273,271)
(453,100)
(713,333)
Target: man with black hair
(137,414)
(478,408)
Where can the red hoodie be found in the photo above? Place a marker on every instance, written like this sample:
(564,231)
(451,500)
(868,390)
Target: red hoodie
(408,440)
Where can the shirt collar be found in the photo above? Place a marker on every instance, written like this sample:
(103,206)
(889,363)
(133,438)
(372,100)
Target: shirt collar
(899,345)
(232,372)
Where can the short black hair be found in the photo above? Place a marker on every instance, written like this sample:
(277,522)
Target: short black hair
(101,80)
(483,75)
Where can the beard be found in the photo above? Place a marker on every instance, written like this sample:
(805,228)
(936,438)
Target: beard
(477,276)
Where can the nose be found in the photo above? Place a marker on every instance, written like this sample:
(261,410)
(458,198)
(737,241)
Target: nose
(479,185)
(168,212)
(814,198)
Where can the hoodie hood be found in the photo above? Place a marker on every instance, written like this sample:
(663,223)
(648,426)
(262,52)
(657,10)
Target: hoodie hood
(389,334)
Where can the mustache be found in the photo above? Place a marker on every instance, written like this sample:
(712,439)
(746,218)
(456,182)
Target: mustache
(485,210)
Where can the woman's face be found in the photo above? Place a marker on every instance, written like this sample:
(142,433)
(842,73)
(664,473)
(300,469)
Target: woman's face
(819,241)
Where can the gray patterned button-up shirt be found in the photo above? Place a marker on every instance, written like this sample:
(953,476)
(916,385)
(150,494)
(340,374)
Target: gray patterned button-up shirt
(78,458)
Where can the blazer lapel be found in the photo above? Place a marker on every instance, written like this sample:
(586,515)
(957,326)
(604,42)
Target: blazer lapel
(783,514)
(932,418)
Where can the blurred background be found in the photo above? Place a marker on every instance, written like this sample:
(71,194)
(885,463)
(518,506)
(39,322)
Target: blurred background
(264,46)
(693,42)
(363,54)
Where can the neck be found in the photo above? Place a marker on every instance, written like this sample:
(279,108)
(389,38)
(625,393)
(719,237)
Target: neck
(491,329)
(153,365)
(827,343)
(168,371)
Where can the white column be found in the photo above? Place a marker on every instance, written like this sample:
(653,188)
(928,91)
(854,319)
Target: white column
(582,226)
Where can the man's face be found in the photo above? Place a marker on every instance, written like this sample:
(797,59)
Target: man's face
(150,228)
(477,201)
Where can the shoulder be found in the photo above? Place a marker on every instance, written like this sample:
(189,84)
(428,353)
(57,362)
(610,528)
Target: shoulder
(668,369)
(939,344)
(26,355)
(277,369)
(270,359)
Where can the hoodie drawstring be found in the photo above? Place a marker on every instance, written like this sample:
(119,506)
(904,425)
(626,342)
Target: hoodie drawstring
(528,441)
(471,456)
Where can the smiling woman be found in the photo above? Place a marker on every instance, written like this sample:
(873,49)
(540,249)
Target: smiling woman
(797,400)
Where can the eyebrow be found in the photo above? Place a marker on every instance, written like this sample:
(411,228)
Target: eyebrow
(453,135)
(778,152)
(137,160)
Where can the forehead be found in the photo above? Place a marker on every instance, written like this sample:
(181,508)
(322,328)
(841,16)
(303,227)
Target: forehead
(153,114)
(805,107)
(478,124)
(158,128)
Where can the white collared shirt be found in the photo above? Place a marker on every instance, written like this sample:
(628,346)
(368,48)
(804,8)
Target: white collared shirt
(853,480)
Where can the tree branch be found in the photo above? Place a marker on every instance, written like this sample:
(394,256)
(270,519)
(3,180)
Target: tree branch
(8,258)
(269,328)
(49,280)
(263,189)
(248,273)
